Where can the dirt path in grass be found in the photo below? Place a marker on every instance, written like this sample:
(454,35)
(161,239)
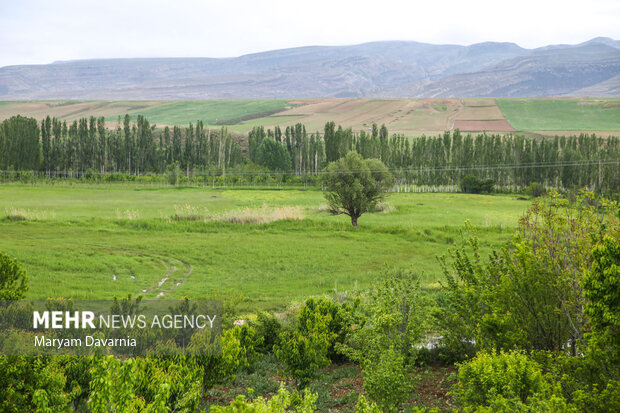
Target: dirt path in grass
(178,282)
(452,116)
(169,282)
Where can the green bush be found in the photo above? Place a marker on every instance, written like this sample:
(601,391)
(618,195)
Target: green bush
(338,316)
(535,190)
(268,328)
(496,303)
(393,314)
(602,292)
(173,174)
(144,384)
(589,382)
(387,325)
(13,281)
(603,399)
(510,375)
(386,380)
(471,184)
(250,341)
(537,404)
(282,402)
(364,406)
(305,353)
(32,384)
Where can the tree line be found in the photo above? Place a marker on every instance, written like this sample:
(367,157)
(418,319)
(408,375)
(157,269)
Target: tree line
(510,161)
(87,145)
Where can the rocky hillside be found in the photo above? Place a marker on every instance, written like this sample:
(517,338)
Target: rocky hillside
(386,69)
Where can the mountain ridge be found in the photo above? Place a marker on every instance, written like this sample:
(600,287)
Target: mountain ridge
(374,69)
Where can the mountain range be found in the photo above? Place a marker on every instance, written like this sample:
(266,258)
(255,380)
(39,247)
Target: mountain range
(377,69)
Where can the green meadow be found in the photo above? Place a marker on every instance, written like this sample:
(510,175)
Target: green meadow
(209,111)
(562,114)
(255,249)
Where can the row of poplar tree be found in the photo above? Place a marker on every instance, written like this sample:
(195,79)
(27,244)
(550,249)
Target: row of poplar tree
(509,160)
(55,147)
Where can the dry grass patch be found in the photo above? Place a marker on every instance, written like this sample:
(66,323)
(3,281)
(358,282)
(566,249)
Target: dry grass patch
(262,215)
(187,212)
(128,214)
(23,214)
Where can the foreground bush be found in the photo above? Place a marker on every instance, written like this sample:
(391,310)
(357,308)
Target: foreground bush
(387,381)
(337,316)
(506,382)
(497,303)
(305,353)
(280,403)
(510,375)
(602,292)
(33,384)
(268,328)
(13,281)
(390,321)
(144,384)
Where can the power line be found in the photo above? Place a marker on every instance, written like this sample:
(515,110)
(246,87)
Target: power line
(455,168)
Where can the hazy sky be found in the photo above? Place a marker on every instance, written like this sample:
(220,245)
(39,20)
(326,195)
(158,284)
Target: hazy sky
(41,31)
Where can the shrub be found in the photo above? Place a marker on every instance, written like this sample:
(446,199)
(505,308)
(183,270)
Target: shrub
(386,327)
(537,404)
(144,384)
(337,314)
(535,190)
(497,302)
(304,354)
(13,281)
(393,315)
(27,177)
(602,292)
(386,381)
(471,184)
(510,375)
(250,341)
(32,384)
(282,402)
(173,173)
(603,399)
(268,328)
(364,406)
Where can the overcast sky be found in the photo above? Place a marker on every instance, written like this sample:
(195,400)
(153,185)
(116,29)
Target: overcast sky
(42,31)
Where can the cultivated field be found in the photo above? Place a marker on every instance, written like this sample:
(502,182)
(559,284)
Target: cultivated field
(592,114)
(159,112)
(254,248)
(411,117)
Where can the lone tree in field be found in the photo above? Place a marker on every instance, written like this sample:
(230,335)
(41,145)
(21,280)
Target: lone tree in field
(355,185)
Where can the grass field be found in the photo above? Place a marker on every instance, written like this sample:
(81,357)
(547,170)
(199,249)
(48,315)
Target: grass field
(209,111)
(158,112)
(412,117)
(98,243)
(562,114)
